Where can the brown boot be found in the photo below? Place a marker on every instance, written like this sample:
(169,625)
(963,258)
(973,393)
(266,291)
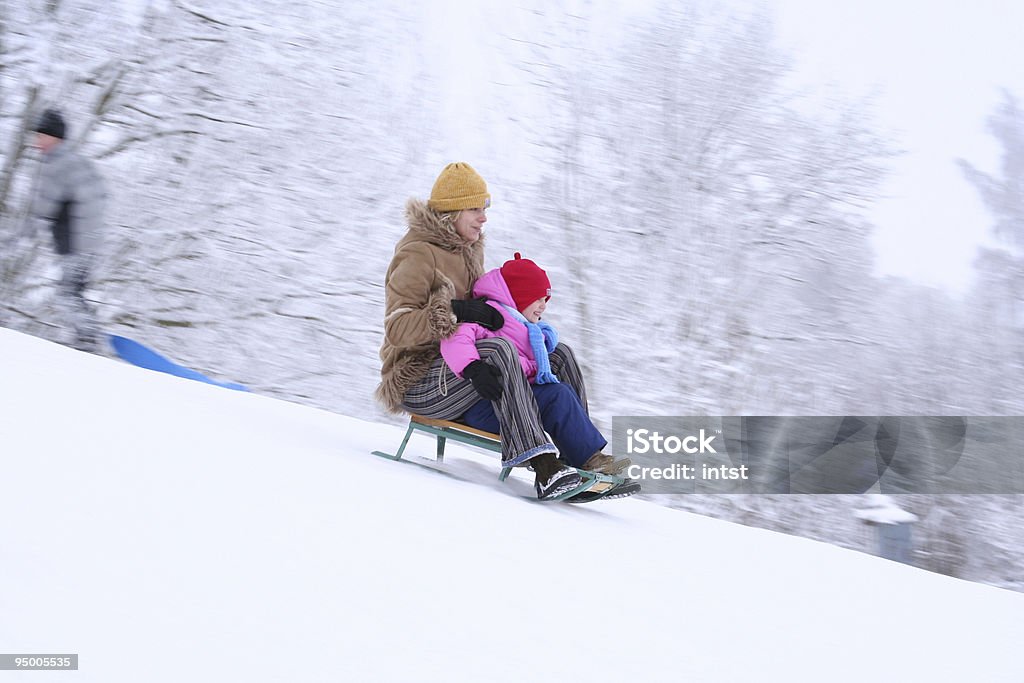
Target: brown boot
(606,464)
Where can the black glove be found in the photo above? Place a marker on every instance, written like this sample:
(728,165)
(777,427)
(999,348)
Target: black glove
(486,379)
(477,311)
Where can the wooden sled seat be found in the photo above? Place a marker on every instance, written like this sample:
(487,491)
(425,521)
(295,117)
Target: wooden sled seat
(443,430)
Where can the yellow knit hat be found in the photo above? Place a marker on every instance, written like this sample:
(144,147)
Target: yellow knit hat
(459,187)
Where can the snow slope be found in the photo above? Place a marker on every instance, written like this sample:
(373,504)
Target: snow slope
(167,530)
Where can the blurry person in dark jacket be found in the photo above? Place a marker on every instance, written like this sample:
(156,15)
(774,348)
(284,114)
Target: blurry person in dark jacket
(70,195)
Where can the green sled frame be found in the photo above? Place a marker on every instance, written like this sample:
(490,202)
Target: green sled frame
(443,430)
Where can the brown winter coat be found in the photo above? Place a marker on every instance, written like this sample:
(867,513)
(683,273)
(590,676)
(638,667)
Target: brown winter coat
(432,265)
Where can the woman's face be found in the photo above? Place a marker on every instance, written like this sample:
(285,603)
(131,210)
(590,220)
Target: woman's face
(469,223)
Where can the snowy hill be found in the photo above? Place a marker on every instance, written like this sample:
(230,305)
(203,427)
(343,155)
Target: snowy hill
(166,530)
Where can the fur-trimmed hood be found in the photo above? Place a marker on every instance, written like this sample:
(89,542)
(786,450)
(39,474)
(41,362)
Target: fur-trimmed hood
(426,225)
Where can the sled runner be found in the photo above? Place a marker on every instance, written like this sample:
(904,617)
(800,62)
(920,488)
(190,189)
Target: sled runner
(595,485)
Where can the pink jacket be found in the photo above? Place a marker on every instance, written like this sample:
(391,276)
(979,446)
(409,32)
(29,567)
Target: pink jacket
(459,350)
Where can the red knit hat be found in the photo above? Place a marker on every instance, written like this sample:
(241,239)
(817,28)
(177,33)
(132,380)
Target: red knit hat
(526,281)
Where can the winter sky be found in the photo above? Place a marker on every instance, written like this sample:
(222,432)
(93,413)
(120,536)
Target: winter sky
(938,68)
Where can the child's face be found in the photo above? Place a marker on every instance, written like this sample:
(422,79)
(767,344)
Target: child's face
(535,310)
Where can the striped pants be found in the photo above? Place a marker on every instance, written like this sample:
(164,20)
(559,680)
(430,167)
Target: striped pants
(442,395)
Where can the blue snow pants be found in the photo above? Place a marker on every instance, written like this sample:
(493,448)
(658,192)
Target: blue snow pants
(562,415)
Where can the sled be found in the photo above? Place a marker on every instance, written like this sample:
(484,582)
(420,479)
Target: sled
(142,356)
(443,430)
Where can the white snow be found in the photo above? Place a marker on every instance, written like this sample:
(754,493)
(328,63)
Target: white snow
(167,530)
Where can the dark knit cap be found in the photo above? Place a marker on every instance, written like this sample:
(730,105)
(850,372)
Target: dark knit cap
(51,123)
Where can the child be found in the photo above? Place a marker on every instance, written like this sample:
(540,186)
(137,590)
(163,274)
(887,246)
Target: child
(520,290)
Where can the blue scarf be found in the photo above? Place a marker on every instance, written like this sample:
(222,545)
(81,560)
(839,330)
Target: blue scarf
(543,340)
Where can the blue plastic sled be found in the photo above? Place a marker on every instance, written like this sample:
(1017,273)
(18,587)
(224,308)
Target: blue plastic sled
(145,357)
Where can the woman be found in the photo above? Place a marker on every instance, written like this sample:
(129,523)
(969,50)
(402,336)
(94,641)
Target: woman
(427,287)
